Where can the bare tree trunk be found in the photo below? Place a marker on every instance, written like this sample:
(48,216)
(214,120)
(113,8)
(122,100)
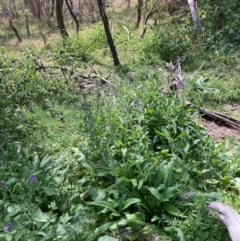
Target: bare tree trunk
(139,13)
(108,32)
(59,15)
(11,23)
(26,18)
(150,13)
(193,9)
(52,7)
(73,15)
(71,3)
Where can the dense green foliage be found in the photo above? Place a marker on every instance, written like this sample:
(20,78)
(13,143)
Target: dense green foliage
(112,163)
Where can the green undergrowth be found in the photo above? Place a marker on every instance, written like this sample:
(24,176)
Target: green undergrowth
(113,163)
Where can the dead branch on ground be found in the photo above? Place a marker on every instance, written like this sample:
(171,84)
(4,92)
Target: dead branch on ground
(177,83)
(91,76)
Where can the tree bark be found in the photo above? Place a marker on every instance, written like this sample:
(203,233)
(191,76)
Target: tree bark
(52,7)
(193,9)
(60,21)
(139,13)
(73,15)
(26,18)
(108,32)
(229,218)
(11,23)
(150,13)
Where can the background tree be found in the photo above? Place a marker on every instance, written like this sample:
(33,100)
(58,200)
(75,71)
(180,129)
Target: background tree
(70,6)
(139,13)
(108,32)
(59,16)
(193,9)
(26,17)
(10,5)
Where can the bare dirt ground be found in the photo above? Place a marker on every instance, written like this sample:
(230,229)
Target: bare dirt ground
(218,131)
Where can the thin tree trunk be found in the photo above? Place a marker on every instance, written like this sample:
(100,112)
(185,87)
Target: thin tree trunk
(52,7)
(73,15)
(26,18)
(11,23)
(193,9)
(59,15)
(108,32)
(150,13)
(139,13)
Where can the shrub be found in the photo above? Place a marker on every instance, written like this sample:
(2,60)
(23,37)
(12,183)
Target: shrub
(169,44)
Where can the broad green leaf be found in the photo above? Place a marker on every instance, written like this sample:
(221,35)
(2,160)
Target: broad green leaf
(140,183)
(155,218)
(50,191)
(104,204)
(107,238)
(134,182)
(129,202)
(155,193)
(98,231)
(177,231)
(172,210)
(135,220)
(19,234)
(65,218)
(121,202)
(116,225)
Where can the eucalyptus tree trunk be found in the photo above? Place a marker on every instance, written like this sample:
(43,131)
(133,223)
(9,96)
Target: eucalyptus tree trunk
(60,21)
(193,9)
(26,18)
(139,13)
(108,32)
(73,15)
(10,4)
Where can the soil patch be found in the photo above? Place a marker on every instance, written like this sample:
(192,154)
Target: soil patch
(219,131)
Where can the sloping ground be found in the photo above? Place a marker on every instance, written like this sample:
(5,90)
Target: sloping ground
(219,131)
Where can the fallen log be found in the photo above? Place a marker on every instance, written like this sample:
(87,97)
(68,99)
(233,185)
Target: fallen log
(229,218)
(227,120)
(225,214)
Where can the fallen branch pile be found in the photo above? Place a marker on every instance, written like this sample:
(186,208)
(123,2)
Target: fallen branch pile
(87,81)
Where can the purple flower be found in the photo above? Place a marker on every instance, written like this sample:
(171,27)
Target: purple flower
(33,178)
(8,227)
(1,183)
